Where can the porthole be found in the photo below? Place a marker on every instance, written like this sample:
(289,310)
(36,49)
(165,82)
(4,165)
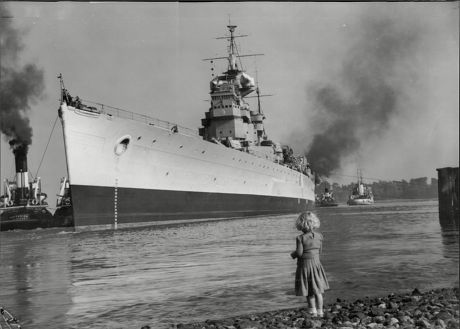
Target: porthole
(122,145)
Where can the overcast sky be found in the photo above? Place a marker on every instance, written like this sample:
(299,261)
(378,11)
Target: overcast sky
(147,58)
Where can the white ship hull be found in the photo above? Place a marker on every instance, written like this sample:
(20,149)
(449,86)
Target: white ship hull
(167,173)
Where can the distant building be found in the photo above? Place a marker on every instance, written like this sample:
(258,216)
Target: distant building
(422,181)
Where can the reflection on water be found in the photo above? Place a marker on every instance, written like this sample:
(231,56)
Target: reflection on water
(35,277)
(182,273)
(450,239)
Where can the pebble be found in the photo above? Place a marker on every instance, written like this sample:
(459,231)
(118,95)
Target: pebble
(393,321)
(434,309)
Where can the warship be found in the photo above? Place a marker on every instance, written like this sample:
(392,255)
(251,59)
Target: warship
(126,168)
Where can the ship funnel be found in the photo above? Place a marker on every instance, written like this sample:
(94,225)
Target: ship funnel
(20,157)
(22,176)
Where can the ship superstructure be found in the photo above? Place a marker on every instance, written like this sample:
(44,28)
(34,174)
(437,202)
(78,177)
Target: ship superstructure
(230,120)
(129,168)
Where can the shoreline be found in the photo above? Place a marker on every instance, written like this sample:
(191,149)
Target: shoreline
(436,309)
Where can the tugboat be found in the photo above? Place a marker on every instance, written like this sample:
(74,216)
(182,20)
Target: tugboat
(326,199)
(64,211)
(23,205)
(361,194)
(143,169)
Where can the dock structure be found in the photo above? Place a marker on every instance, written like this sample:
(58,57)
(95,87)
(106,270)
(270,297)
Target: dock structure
(448,189)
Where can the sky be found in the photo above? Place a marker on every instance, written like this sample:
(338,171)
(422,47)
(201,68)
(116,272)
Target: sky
(370,86)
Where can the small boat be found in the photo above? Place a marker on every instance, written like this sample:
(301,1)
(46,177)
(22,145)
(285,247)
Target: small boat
(326,199)
(361,194)
(23,205)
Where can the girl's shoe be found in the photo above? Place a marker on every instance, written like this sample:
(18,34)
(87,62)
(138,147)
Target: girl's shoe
(312,312)
(320,313)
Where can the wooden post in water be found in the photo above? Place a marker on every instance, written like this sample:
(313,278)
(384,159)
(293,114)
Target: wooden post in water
(448,196)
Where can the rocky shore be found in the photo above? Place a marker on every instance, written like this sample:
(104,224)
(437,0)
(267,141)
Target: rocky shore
(435,309)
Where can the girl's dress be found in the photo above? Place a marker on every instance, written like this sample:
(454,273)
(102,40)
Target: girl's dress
(310,278)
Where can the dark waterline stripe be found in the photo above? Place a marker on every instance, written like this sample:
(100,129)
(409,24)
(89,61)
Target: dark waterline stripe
(95,205)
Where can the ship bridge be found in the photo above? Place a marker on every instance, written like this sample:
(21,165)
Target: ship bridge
(229,119)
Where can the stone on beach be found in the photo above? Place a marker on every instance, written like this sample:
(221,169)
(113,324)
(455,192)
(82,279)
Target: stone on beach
(434,309)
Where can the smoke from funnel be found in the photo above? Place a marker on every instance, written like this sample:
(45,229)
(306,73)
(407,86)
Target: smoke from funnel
(20,85)
(358,103)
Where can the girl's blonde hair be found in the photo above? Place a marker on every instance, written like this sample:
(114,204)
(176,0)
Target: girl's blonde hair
(307,222)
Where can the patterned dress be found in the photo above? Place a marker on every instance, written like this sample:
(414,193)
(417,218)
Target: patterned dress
(310,278)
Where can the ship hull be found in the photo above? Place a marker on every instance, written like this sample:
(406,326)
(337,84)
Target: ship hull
(94,205)
(27,218)
(122,170)
(64,215)
(360,202)
(326,204)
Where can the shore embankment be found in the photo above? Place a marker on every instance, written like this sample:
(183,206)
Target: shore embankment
(435,309)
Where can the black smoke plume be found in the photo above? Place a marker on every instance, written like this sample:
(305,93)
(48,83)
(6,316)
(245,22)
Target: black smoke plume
(20,85)
(365,94)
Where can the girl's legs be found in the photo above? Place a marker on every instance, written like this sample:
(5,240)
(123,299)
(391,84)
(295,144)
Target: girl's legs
(319,304)
(311,305)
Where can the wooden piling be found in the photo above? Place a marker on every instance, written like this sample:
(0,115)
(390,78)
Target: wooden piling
(448,189)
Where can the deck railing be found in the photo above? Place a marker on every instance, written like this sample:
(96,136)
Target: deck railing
(125,114)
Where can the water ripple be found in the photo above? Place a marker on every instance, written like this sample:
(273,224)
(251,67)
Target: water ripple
(191,272)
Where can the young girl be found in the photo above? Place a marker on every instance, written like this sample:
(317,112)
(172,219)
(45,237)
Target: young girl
(310,278)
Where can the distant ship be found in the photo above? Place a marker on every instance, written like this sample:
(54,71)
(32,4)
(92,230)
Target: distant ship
(126,168)
(361,194)
(23,204)
(326,199)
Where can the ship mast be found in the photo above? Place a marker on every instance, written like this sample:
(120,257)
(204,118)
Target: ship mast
(61,85)
(259,108)
(232,51)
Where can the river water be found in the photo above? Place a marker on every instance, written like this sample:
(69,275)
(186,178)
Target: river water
(189,272)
